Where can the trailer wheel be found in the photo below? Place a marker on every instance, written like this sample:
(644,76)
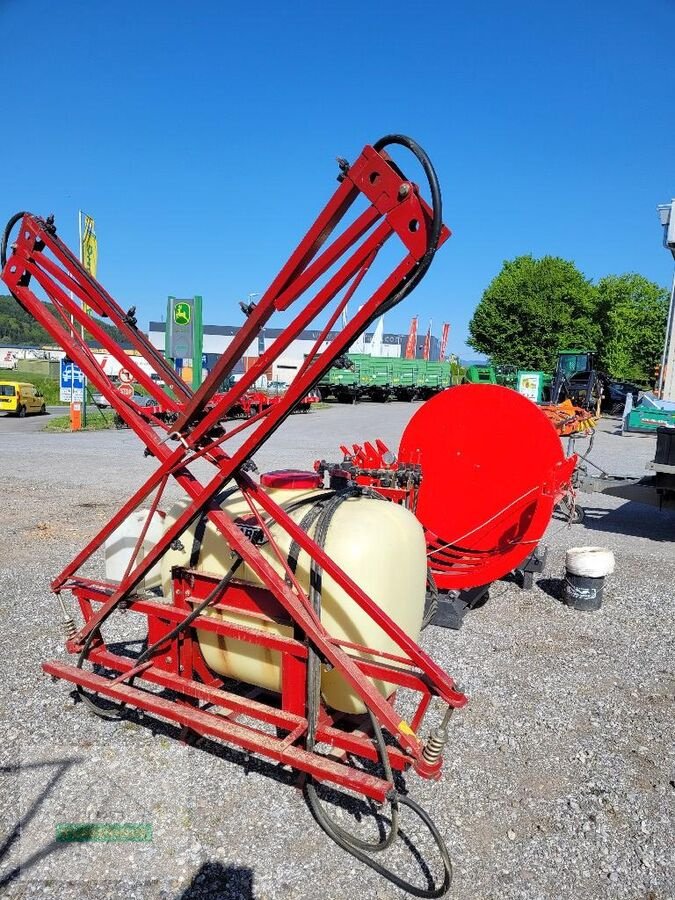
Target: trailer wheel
(578,516)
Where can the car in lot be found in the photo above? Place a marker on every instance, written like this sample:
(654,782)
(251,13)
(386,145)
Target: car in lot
(276,388)
(20,398)
(139,399)
(618,391)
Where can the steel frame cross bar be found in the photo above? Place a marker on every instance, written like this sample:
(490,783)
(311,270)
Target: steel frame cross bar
(392,198)
(37,235)
(212,725)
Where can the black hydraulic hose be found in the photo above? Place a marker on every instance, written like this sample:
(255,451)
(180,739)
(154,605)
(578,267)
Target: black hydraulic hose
(3,246)
(189,619)
(324,518)
(5,236)
(181,626)
(411,281)
(349,842)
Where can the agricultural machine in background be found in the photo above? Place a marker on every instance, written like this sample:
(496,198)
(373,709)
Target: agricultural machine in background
(360,376)
(576,382)
(283,613)
(577,379)
(486,373)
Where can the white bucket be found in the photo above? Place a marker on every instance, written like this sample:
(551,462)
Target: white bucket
(585,572)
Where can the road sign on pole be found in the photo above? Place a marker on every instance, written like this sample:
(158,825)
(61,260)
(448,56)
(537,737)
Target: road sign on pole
(72,383)
(126,390)
(126,377)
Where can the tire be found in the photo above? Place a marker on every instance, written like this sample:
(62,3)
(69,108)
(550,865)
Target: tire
(22,412)
(253,411)
(43,410)
(579,515)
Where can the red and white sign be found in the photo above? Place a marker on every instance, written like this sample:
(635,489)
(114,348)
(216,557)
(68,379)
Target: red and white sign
(126,390)
(126,377)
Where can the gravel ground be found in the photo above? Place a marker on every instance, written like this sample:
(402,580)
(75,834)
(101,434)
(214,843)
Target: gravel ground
(559,778)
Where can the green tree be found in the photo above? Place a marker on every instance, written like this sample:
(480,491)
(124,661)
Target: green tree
(633,312)
(533,309)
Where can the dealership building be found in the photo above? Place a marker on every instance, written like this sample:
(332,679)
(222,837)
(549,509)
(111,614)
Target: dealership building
(217,339)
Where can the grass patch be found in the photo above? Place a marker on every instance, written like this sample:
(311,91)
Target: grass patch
(99,420)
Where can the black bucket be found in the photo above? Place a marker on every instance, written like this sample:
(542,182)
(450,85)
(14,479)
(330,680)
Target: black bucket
(585,572)
(583,592)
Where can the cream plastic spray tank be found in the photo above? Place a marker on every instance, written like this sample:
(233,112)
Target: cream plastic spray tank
(379,544)
(119,547)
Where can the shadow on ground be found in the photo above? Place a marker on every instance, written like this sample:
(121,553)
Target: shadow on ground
(632,518)
(214,881)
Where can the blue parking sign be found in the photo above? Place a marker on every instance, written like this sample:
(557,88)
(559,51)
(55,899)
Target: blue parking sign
(72,382)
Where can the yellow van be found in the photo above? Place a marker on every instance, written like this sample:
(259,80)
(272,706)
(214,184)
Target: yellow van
(20,398)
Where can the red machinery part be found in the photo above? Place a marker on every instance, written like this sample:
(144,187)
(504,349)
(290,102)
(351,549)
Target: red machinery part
(493,469)
(295,479)
(50,283)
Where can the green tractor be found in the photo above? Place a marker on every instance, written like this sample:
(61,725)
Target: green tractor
(576,378)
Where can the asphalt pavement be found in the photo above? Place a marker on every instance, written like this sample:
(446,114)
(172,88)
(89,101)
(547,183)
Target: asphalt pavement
(12,425)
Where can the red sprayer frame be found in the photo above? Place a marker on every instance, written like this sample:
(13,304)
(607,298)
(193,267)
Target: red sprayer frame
(334,267)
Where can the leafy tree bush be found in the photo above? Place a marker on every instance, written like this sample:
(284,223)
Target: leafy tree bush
(633,312)
(534,308)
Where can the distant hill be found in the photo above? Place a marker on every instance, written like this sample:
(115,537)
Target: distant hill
(19,329)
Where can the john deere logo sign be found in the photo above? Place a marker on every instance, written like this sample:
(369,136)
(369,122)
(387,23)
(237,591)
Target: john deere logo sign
(182,313)
(183,327)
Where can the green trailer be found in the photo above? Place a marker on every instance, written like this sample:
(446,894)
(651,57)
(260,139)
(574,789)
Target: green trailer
(382,377)
(406,377)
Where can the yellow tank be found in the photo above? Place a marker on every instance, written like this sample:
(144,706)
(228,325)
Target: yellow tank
(380,545)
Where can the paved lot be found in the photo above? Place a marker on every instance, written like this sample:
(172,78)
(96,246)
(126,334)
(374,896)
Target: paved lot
(559,778)
(32,424)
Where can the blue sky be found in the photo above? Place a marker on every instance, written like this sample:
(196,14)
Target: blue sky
(202,136)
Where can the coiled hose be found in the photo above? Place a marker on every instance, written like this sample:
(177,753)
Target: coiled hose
(322,514)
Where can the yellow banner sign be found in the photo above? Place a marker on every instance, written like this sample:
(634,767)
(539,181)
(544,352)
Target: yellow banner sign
(88,250)
(89,246)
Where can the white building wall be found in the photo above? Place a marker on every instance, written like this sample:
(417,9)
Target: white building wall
(213,343)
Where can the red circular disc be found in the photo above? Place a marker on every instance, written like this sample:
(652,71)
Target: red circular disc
(491,466)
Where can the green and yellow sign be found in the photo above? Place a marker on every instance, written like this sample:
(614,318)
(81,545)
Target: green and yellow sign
(182,313)
(184,341)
